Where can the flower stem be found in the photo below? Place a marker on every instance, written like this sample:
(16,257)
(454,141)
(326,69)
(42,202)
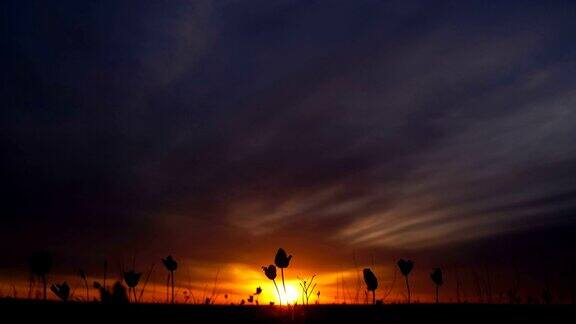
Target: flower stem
(172,277)
(283,284)
(278,291)
(407,288)
(87,291)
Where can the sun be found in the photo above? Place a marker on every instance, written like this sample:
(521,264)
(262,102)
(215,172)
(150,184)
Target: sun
(291,294)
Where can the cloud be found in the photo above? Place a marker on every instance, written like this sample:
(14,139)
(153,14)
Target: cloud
(236,127)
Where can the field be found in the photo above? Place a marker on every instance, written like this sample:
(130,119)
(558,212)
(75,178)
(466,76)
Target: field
(28,311)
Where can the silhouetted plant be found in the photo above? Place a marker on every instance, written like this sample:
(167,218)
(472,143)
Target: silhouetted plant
(84,278)
(307,289)
(437,279)
(371,282)
(406,267)
(318,297)
(61,290)
(282,260)
(270,272)
(40,264)
(118,295)
(132,278)
(171,265)
(257,293)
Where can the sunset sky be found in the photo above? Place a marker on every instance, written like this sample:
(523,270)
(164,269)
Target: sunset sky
(350,133)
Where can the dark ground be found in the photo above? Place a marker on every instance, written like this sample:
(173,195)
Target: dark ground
(28,311)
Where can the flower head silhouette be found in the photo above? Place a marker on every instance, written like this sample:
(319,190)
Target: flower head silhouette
(132,278)
(61,290)
(371,282)
(406,267)
(171,265)
(282,260)
(437,279)
(40,264)
(258,291)
(270,272)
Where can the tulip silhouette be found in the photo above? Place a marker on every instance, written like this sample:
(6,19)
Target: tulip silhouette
(282,260)
(371,283)
(170,264)
(257,293)
(437,279)
(40,264)
(406,267)
(61,290)
(270,272)
(132,278)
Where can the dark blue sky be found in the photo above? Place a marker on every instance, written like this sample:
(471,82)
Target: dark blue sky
(219,129)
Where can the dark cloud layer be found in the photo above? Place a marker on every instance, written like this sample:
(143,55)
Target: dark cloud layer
(237,126)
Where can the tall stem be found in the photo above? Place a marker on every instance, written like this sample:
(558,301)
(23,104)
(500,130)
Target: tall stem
(134,293)
(87,290)
(407,288)
(168,287)
(172,278)
(436,294)
(374,297)
(283,284)
(278,291)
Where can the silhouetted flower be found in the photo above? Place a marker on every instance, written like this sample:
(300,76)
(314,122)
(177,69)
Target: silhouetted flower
(406,267)
(170,263)
(436,277)
(171,266)
(250,299)
(371,283)
(40,264)
(61,290)
(270,272)
(132,278)
(282,260)
(370,280)
(258,291)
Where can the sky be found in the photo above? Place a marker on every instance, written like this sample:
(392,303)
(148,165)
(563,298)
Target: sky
(351,133)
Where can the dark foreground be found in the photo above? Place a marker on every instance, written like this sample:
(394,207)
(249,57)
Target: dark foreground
(25,311)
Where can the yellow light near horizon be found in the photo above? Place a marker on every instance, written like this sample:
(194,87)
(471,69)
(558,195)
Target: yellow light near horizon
(291,294)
